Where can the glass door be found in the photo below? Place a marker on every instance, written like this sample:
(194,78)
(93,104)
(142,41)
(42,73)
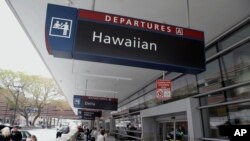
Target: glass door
(181,131)
(160,132)
(173,131)
(169,132)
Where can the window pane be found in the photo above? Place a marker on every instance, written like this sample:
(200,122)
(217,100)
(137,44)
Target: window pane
(236,65)
(235,37)
(239,113)
(150,99)
(211,51)
(212,99)
(184,86)
(210,79)
(238,93)
(217,118)
(212,118)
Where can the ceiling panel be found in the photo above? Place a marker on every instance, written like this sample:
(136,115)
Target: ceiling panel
(216,16)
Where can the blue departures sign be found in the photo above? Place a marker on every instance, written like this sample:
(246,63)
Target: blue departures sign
(108,38)
(88,114)
(92,102)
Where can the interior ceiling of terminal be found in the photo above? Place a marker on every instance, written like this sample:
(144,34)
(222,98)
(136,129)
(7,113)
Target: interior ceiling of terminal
(97,79)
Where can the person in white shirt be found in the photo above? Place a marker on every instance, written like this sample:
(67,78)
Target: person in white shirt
(94,133)
(101,137)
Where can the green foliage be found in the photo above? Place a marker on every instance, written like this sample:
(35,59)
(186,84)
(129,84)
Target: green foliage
(28,91)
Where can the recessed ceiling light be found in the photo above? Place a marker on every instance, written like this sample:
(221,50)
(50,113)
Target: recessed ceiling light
(102,91)
(105,76)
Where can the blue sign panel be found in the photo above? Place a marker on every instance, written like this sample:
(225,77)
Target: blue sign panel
(60,29)
(88,114)
(92,102)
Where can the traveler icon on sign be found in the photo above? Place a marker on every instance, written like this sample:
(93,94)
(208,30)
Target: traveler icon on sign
(60,27)
(57,25)
(65,28)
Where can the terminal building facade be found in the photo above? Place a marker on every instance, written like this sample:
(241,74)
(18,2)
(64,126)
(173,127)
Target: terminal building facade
(218,96)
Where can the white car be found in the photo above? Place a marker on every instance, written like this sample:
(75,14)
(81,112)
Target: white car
(25,134)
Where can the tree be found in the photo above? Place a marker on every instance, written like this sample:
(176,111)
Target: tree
(6,105)
(43,91)
(29,94)
(15,83)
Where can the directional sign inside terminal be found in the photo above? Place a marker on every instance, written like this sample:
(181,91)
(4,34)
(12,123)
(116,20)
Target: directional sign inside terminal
(114,39)
(89,114)
(92,102)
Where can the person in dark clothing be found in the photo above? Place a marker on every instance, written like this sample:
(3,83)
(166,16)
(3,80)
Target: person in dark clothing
(88,134)
(58,134)
(15,134)
(5,134)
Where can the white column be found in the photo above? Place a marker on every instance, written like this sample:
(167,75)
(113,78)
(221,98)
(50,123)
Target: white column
(149,128)
(194,120)
(97,119)
(92,122)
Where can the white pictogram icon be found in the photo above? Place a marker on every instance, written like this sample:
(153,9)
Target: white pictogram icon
(77,101)
(179,31)
(60,27)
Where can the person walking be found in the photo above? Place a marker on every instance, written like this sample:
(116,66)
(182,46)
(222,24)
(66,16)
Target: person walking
(15,134)
(88,136)
(5,135)
(101,136)
(32,138)
(94,134)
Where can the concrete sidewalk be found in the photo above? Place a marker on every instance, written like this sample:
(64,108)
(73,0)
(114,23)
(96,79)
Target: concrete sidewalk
(111,139)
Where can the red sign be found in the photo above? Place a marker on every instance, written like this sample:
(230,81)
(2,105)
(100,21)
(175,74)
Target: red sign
(163,89)
(139,23)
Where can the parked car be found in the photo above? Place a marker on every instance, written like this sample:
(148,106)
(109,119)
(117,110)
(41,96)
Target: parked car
(25,134)
(64,129)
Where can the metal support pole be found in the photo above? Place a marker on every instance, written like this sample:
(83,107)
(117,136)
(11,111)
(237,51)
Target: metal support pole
(93,5)
(174,131)
(188,15)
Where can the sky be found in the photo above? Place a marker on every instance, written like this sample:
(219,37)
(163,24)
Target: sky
(16,51)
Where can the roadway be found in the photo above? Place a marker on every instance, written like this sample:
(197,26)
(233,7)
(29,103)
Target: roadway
(50,134)
(44,134)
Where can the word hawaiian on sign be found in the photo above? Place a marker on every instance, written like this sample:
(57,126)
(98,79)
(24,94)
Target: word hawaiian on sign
(92,102)
(132,42)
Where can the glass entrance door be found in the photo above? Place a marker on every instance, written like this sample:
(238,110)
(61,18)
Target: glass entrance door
(181,131)
(173,131)
(169,132)
(160,132)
